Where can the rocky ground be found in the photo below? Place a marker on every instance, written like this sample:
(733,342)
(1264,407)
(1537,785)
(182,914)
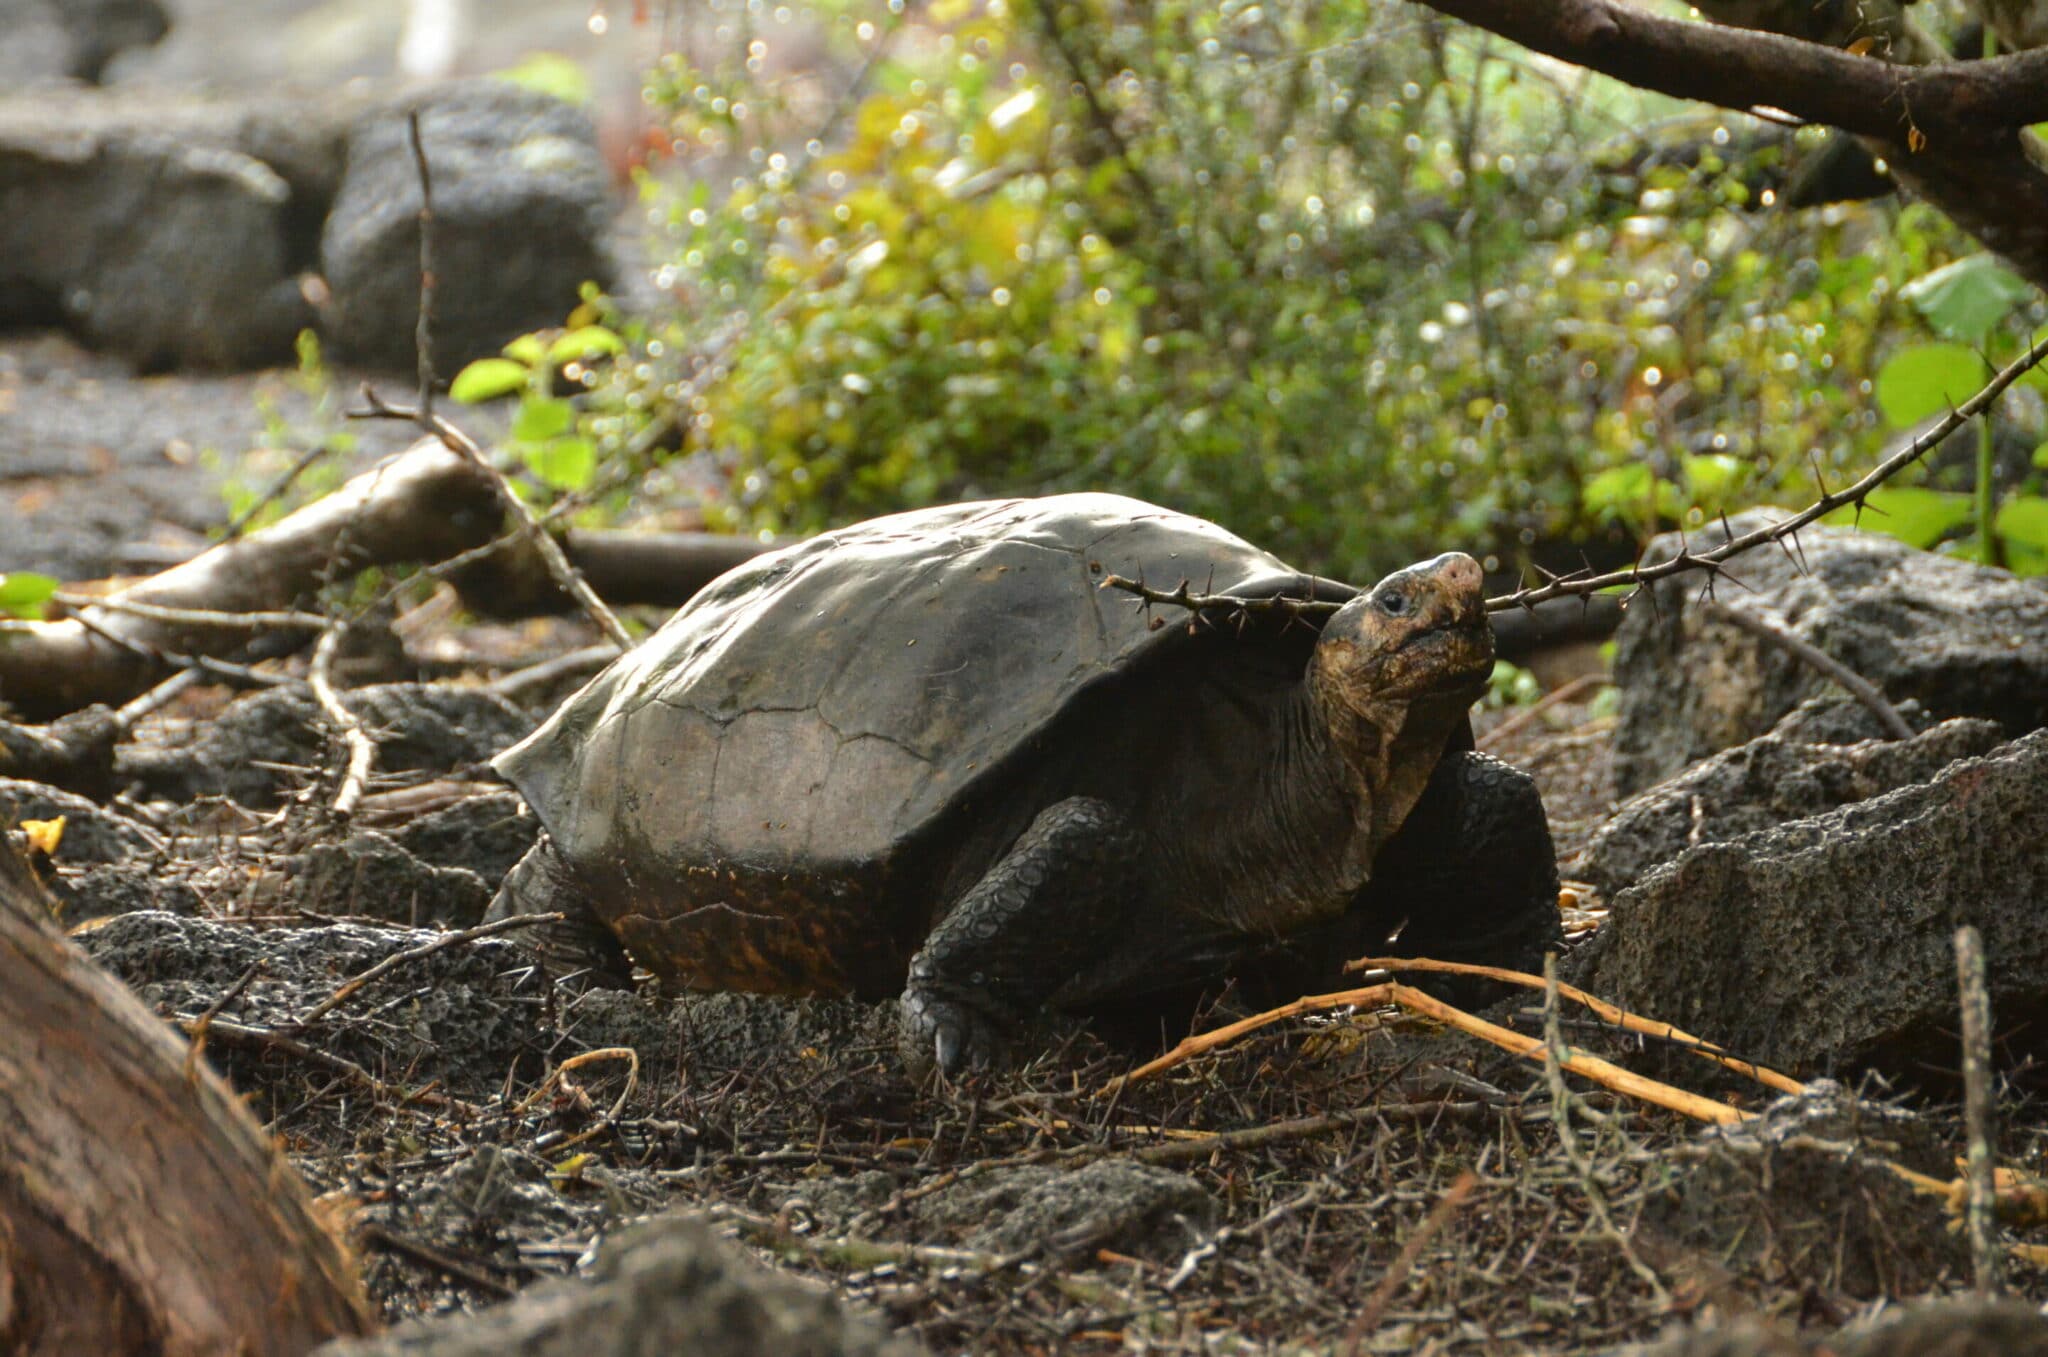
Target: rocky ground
(1357,1179)
(1753,856)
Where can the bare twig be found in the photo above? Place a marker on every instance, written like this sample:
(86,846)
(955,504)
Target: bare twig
(349,987)
(1637,576)
(1396,1275)
(362,750)
(1620,1017)
(290,619)
(1980,1167)
(1766,627)
(270,493)
(1557,1057)
(1209,1247)
(423,332)
(1564,693)
(547,671)
(455,440)
(227,1033)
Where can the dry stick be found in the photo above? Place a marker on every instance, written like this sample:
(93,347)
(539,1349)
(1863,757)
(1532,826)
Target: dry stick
(564,574)
(1638,575)
(1769,629)
(155,700)
(1620,1017)
(1556,1056)
(290,618)
(1976,1005)
(1543,704)
(423,335)
(1404,1262)
(1287,1132)
(271,492)
(1213,1245)
(228,1033)
(611,1118)
(349,987)
(362,750)
(547,671)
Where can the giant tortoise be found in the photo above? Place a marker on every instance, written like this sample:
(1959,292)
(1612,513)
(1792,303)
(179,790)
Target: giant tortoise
(930,754)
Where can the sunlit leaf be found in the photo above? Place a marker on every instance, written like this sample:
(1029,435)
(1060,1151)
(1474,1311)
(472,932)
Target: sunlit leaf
(488,379)
(1967,299)
(552,74)
(1619,490)
(23,593)
(540,420)
(1914,515)
(2022,527)
(587,341)
(527,349)
(1927,379)
(564,463)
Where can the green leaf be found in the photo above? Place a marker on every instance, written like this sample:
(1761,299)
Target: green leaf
(2022,525)
(23,594)
(1915,516)
(1967,299)
(2041,455)
(553,74)
(1927,379)
(1711,477)
(527,349)
(540,420)
(488,379)
(564,463)
(585,341)
(1618,490)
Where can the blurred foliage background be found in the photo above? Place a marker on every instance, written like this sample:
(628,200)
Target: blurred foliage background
(1356,281)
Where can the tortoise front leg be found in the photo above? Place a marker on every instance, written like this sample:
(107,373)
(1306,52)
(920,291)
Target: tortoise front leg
(1046,909)
(1474,873)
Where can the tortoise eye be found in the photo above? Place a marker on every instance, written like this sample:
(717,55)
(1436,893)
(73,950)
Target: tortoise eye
(1391,602)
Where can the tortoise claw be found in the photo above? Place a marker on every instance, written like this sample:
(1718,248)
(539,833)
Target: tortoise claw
(955,1036)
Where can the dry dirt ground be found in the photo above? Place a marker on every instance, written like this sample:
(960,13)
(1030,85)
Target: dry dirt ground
(1355,1180)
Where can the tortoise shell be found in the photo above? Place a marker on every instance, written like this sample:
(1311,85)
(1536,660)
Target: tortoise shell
(768,793)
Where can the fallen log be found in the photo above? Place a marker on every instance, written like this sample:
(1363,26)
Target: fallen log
(142,1210)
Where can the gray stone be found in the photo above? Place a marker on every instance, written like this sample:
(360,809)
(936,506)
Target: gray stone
(1769,781)
(1137,1209)
(1962,1327)
(487,833)
(368,875)
(1961,639)
(1828,941)
(170,230)
(668,1285)
(522,212)
(72,39)
(419,727)
(91,834)
(1804,1195)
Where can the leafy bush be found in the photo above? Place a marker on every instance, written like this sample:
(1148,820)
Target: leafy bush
(1355,281)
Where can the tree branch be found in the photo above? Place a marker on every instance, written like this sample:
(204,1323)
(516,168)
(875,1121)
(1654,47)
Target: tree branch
(1948,104)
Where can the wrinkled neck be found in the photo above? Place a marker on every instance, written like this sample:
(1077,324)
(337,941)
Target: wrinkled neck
(1388,748)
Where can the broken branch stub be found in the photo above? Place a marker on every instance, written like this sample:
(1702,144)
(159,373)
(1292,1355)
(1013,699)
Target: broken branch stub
(141,1207)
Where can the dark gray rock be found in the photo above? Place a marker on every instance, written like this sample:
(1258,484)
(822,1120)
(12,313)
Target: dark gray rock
(1803,1196)
(1769,781)
(74,752)
(1961,639)
(668,1285)
(1963,1327)
(72,39)
(419,727)
(112,888)
(144,236)
(367,874)
(91,834)
(1828,942)
(1138,1209)
(522,212)
(487,833)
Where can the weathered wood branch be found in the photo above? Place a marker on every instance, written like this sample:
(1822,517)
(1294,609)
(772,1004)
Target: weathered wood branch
(141,1207)
(1949,104)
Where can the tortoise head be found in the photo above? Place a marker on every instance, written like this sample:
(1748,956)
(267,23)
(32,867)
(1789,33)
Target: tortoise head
(1415,645)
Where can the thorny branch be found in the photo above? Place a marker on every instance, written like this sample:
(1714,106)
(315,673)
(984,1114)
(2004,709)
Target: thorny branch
(1221,609)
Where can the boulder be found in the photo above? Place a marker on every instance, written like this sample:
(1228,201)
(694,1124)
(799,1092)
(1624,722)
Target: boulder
(1804,1196)
(1131,1208)
(667,1285)
(1961,639)
(43,40)
(522,216)
(1828,942)
(1772,779)
(169,250)
(1962,1327)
